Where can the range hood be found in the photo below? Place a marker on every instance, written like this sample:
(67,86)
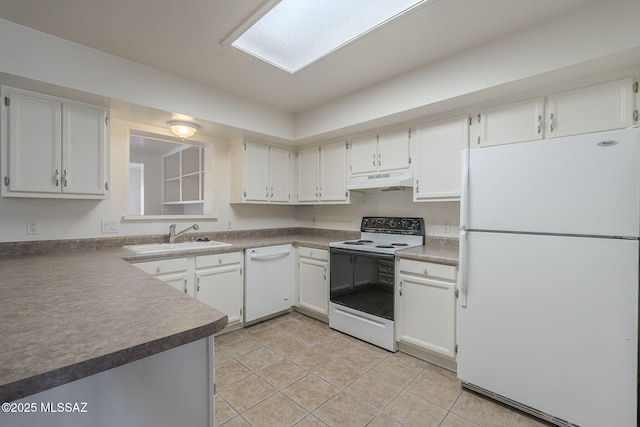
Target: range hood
(389,181)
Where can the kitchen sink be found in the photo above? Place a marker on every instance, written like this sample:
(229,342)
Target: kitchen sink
(155,248)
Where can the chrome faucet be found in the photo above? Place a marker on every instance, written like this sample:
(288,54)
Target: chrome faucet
(173,234)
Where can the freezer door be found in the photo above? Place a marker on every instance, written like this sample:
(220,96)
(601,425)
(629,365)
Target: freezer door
(551,322)
(586,185)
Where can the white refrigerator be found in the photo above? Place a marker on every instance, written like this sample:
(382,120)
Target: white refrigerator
(548,279)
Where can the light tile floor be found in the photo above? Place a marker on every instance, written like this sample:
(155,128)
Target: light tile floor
(296,371)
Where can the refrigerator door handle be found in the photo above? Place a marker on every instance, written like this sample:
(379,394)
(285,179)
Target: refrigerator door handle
(462,270)
(464,196)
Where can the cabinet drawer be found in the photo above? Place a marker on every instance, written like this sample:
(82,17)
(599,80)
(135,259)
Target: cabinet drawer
(218,259)
(315,253)
(447,272)
(163,266)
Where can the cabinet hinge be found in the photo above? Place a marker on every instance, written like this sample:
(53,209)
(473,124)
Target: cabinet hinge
(240,312)
(346,144)
(106,186)
(346,194)
(469,120)
(635,87)
(106,121)
(409,160)
(7,101)
(456,348)
(479,118)
(6,181)
(409,133)
(245,146)
(635,116)
(456,293)
(241,271)
(245,194)
(350,167)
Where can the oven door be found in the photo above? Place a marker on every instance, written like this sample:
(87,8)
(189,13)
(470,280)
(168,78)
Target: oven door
(363,281)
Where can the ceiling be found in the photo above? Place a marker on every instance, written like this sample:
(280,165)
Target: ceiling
(184,38)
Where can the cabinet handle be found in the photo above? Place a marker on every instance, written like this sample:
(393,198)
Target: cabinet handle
(158,269)
(57,177)
(400,288)
(267,195)
(271,191)
(539,124)
(198,284)
(417,185)
(66,174)
(551,124)
(379,162)
(185,286)
(374,159)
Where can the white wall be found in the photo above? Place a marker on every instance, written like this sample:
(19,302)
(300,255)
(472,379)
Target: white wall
(392,203)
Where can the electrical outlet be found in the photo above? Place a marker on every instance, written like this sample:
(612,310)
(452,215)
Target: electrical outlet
(33,227)
(109,226)
(447,227)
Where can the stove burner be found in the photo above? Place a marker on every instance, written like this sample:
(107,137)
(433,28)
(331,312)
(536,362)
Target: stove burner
(358,242)
(399,244)
(385,246)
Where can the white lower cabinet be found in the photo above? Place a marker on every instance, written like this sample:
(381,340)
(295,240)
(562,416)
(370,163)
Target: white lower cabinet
(217,280)
(219,283)
(426,308)
(174,271)
(313,280)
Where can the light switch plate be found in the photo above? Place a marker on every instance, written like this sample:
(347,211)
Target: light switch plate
(109,226)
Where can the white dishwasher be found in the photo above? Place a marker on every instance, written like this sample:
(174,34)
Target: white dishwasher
(268,281)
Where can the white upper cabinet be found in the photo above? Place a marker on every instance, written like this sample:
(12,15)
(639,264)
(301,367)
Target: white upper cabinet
(383,152)
(437,168)
(517,122)
(261,173)
(308,174)
(53,147)
(596,108)
(322,174)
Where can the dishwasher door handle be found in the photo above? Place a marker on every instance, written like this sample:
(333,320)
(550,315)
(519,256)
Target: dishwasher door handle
(258,256)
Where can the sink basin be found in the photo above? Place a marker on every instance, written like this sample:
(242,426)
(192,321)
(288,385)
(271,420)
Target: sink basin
(155,248)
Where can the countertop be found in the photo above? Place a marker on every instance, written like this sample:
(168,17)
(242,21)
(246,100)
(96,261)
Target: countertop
(69,315)
(77,311)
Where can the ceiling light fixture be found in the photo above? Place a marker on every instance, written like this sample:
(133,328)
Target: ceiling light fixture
(183,129)
(292,34)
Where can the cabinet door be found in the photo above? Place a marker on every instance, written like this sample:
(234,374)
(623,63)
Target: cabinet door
(279,174)
(83,150)
(221,288)
(34,144)
(314,285)
(426,314)
(438,166)
(256,173)
(518,122)
(333,174)
(393,150)
(308,174)
(596,108)
(364,155)
(179,281)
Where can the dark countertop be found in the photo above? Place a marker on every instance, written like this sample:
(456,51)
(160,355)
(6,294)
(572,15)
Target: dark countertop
(66,316)
(78,311)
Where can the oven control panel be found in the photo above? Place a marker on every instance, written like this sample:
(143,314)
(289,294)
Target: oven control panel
(393,225)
